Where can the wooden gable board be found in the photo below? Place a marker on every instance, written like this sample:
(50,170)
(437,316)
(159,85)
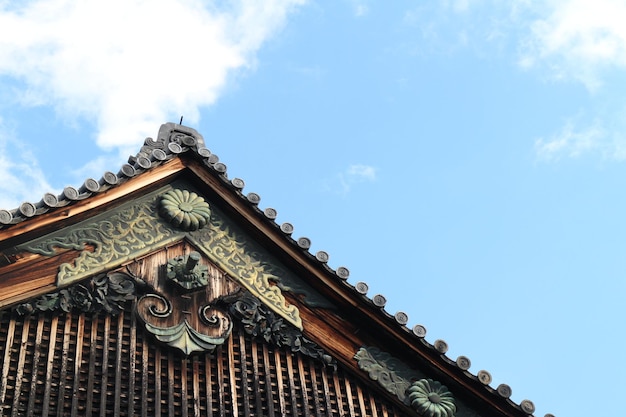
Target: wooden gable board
(114,301)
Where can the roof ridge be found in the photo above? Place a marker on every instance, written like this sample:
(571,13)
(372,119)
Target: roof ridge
(174,139)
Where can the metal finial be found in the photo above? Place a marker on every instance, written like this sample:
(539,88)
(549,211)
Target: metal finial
(181,120)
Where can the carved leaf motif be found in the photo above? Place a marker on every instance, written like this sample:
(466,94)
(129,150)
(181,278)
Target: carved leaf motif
(260,321)
(390,373)
(184,337)
(109,292)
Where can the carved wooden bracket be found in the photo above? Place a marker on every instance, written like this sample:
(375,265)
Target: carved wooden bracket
(193,330)
(187,272)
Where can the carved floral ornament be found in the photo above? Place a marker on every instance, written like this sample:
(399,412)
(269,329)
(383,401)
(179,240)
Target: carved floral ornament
(429,398)
(185,209)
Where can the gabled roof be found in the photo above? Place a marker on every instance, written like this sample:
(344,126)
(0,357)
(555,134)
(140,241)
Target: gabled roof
(179,150)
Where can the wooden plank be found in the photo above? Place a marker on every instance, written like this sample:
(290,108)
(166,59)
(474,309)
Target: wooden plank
(338,392)
(384,409)
(305,394)
(268,380)
(170,384)
(362,402)
(326,393)
(78,358)
(256,379)
(292,384)
(183,387)
(157,382)
(118,364)
(50,366)
(315,392)
(209,385)
(373,406)
(349,397)
(132,363)
(19,292)
(32,279)
(7,360)
(196,386)
(244,375)
(220,380)
(105,365)
(145,356)
(93,348)
(338,338)
(64,358)
(20,369)
(280,384)
(232,383)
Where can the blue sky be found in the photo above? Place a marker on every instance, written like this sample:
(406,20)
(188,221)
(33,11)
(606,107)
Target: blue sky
(464,158)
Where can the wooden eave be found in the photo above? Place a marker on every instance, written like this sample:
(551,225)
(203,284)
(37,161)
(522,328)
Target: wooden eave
(351,306)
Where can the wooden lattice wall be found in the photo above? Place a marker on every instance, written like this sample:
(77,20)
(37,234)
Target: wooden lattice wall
(82,364)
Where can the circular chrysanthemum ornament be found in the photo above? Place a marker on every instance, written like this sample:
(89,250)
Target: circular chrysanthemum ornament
(431,399)
(185,209)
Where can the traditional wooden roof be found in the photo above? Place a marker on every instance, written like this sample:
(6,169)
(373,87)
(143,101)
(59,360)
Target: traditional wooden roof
(229,314)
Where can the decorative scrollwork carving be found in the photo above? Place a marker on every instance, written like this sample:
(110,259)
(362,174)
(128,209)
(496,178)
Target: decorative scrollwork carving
(135,229)
(389,372)
(248,263)
(157,305)
(107,240)
(107,292)
(212,319)
(180,329)
(261,322)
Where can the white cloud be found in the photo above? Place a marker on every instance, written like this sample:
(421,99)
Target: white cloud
(20,173)
(130,65)
(571,142)
(360,7)
(361,173)
(577,39)
(568,39)
(361,10)
(355,174)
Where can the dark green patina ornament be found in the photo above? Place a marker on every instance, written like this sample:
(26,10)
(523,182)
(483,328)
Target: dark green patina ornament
(431,399)
(185,209)
(428,397)
(187,272)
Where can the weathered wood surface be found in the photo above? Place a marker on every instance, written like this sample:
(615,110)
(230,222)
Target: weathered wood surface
(83,364)
(96,364)
(31,276)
